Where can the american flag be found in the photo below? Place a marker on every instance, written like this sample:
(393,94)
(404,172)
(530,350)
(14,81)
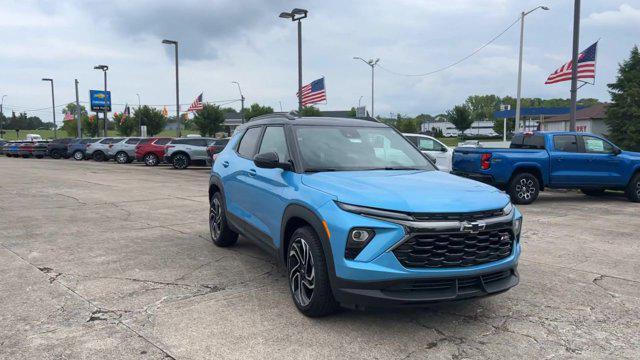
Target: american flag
(313,92)
(586,67)
(125,113)
(68,116)
(196,105)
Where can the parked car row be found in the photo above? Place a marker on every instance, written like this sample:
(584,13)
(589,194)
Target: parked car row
(179,152)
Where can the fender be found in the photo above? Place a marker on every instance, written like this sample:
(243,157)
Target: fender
(304,213)
(531,165)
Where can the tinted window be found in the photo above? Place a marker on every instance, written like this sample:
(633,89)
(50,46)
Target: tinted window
(566,143)
(116,140)
(274,141)
(177,141)
(144,141)
(164,141)
(247,146)
(596,145)
(106,141)
(413,140)
(133,141)
(222,142)
(527,141)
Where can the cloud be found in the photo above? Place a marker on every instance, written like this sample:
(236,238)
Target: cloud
(626,15)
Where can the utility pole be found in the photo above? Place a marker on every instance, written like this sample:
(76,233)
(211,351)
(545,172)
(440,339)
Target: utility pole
(574,65)
(175,43)
(297,15)
(78,113)
(53,108)
(372,63)
(139,118)
(241,102)
(1,115)
(104,69)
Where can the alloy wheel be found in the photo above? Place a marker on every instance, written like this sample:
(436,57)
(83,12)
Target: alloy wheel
(78,155)
(150,159)
(122,158)
(525,189)
(215,219)
(301,271)
(180,161)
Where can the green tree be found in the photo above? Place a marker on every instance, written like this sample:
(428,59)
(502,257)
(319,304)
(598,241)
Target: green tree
(483,106)
(498,125)
(407,125)
(209,120)
(256,110)
(90,125)
(152,118)
(228,110)
(460,117)
(623,114)
(310,111)
(127,126)
(69,126)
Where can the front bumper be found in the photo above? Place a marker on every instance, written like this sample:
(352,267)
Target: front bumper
(418,292)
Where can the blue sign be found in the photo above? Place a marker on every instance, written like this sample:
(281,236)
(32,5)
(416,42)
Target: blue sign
(100,99)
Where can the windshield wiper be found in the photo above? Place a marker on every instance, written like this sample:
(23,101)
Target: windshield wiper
(320,169)
(394,168)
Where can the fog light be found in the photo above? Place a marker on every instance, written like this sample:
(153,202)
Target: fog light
(357,240)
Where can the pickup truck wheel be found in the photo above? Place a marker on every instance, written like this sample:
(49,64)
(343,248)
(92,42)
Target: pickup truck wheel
(180,161)
(307,274)
(221,235)
(524,188)
(55,154)
(151,160)
(122,157)
(592,192)
(633,189)
(78,155)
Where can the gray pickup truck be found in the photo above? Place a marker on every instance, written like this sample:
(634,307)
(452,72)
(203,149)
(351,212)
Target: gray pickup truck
(183,152)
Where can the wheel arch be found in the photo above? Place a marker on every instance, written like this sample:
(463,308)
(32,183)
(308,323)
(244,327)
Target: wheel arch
(531,169)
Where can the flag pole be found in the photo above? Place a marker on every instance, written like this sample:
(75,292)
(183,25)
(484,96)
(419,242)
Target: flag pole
(574,64)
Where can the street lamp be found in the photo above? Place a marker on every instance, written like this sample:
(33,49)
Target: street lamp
(1,113)
(53,107)
(173,42)
(372,63)
(104,69)
(522,15)
(359,100)
(241,101)
(297,15)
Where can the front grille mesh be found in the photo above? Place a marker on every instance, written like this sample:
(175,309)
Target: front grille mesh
(454,249)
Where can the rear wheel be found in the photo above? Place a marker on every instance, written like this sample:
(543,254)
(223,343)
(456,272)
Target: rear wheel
(99,156)
(151,159)
(221,234)
(180,161)
(78,155)
(55,154)
(633,189)
(122,157)
(308,277)
(593,192)
(524,188)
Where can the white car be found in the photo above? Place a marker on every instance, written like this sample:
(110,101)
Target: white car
(428,145)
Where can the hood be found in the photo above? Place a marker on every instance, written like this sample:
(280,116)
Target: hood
(408,191)
(631,154)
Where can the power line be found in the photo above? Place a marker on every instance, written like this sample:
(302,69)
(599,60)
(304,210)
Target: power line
(456,62)
(22,108)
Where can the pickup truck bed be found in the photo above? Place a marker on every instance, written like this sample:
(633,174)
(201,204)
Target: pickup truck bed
(542,160)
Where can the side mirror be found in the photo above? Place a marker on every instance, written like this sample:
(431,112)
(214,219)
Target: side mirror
(617,151)
(270,160)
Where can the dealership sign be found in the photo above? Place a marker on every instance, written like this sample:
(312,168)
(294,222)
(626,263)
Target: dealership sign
(100,100)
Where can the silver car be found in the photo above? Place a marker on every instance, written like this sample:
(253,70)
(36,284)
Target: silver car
(183,152)
(124,152)
(98,150)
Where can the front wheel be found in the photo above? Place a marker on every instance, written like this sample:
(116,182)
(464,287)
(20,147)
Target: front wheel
(524,188)
(151,160)
(221,235)
(122,157)
(633,189)
(55,154)
(308,277)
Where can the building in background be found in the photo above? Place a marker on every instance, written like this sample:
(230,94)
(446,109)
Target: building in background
(589,119)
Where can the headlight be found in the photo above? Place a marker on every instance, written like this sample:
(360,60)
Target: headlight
(357,239)
(507,209)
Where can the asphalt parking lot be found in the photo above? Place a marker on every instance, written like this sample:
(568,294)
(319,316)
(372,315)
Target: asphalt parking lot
(107,261)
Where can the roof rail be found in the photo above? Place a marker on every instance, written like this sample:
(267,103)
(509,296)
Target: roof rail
(287,115)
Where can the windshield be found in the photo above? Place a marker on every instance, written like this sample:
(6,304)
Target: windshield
(343,148)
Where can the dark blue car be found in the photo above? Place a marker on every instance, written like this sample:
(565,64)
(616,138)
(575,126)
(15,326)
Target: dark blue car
(77,148)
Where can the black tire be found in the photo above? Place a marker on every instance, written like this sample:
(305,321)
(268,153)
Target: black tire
(151,159)
(593,192)
(306,264)
(221,234)
(633,189)
(99,156)
(121,157)
(524,188)
(180,161)
(55,154)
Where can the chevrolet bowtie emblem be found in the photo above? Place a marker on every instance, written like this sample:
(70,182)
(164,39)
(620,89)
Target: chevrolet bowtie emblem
(472,226)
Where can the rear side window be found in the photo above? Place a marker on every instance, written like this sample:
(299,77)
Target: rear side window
(565,143)
(247,146)
(222,142)
(526,141)
(106,141)
(133,141)
(162,141)
(144,141)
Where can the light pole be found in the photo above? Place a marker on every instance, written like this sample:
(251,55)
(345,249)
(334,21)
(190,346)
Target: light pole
(372,63)
(297,15)
(53,107)
(1,113)
(139,117)
(175,43)
(104,69)
(519,91)
(359,100)
(574,67)
(241,101)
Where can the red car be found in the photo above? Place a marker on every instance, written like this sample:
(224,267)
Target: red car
(26,149)
(151,150)
(215,148)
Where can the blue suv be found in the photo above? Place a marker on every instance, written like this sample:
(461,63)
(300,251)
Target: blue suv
(359,217)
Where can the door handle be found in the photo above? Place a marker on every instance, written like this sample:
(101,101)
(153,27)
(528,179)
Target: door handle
(225,164)
(252,172)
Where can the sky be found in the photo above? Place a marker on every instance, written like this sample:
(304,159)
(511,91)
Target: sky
(245,41)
